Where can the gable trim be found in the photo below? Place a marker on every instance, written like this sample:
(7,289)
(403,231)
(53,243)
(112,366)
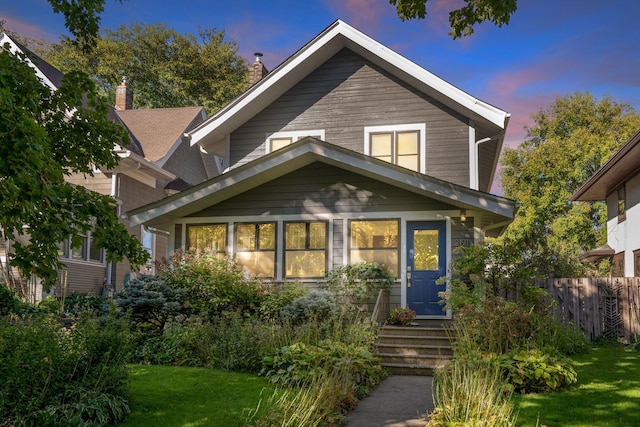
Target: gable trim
(305,152)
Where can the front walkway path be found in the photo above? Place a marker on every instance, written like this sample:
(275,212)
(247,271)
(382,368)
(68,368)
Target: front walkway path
(398,401)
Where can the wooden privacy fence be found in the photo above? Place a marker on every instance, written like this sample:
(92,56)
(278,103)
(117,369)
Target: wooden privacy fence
(601,307)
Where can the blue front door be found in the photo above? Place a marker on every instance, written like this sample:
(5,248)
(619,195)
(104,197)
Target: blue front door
(426,263)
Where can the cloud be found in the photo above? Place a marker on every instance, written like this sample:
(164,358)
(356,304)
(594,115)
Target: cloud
(33,31)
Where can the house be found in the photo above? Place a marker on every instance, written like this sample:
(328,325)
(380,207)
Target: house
(345,152)
(158,161)
(618,183)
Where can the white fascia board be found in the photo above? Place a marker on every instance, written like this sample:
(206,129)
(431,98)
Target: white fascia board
(13,48)
(151,168)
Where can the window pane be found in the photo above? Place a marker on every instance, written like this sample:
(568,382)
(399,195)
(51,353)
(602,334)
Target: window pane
(267,236)
(388,257)
(296,235)
(375,241)
(409,162)
(305,264)
(381,144)
(426,248)
(259,264)
(95,253)
(374,234)
(407,143)
(211,237)
(79,247)
(278,143)
(317,235)
(246,237)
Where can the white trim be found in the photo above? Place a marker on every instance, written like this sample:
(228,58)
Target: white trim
(295,136)
(473,158)
(420,127)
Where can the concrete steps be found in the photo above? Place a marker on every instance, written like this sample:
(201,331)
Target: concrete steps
(413,350)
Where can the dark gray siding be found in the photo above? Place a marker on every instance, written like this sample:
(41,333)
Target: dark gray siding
(320,188)
(346,94)
(338,243)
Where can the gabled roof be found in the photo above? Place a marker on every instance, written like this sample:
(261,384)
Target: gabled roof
(159,131)
(620,167)
(50,76)
(304,152)
(212,133)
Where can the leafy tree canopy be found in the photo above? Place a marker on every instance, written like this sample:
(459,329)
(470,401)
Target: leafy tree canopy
(46,136)
(462,20)
(164,68)
(568,143)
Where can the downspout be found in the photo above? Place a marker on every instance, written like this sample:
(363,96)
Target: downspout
(109,274)
(477,157)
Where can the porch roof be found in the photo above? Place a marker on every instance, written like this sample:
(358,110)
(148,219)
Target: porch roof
(303,153)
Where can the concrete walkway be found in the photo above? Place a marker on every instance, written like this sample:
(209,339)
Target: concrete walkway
(398,401)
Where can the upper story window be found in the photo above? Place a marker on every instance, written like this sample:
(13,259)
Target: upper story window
(402,145)
(278,140)
(255,245)
(208,237)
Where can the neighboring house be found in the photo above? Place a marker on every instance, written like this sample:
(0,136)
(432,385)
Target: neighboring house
(618,183)
(158,162)
(345,152)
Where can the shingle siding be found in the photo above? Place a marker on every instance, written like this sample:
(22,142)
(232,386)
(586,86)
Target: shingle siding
(346,94)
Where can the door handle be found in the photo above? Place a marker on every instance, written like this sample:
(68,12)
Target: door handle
(408,280)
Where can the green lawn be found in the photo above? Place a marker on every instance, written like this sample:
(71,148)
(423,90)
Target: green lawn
(190,397)
(607,394)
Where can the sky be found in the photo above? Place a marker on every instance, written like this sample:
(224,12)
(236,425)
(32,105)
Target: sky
(550,49)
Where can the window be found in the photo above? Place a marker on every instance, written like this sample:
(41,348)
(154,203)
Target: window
(81,248)
(255,245)
(305,249)
(636,261)
(208,237)
(622,200)
(278,140)
(402,145)
(375,241)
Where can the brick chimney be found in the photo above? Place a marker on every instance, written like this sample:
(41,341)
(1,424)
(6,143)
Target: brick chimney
(257,70)
(124,96)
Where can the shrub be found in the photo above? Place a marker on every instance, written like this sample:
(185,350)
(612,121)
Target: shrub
(359,282)
(299,363)
(53,376)
(533,371)
(279,296)
(317,305)
(78,303)
(401,316)
(150,302)
(213,286)
(8,301)
(493,326)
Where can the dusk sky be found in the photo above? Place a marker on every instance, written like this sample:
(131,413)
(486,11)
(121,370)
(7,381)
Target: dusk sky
(550,49)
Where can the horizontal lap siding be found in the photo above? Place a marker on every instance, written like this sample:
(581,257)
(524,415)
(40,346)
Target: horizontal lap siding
(320,188)
(348,93)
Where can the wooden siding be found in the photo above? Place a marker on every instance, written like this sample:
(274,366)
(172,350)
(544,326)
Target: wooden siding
(186,162)
(346,94)
(338,243)
(83,277)
(320,189)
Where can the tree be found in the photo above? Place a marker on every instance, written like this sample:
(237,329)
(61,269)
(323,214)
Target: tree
(462,20)
(164,68)
(568,143)
(45,136)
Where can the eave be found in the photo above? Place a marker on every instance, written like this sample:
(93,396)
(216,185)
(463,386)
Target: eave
(624,164)
(213,132)
(305,152)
